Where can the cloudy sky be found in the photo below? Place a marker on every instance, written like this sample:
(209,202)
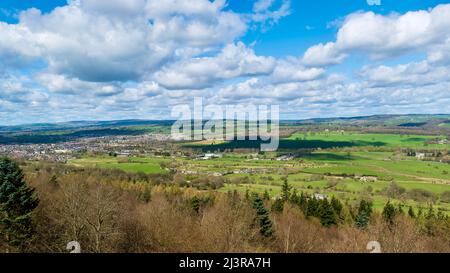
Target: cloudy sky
(134,59)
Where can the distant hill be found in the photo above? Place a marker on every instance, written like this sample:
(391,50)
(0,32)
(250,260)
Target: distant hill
(42,127)
(394,120)
(66,131)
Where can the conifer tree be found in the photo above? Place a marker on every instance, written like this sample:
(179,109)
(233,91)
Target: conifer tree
(278,206)
(17,202)
(195,204)
(262,216)
(326,213)
(312,207)
(285,190)
(303,203)
(389,213)
(363,216)
(337,206)
(294,196)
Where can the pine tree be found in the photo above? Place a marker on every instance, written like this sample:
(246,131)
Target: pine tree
(312,207)
(362,220)
(285,190)
(326,213)
(389,213)
(303,203)
(278,206)
(17,202)
(363,216)
(294,197)
(195,204)
(262,216)
(337,206)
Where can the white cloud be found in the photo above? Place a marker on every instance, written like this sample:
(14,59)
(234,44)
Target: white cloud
(383,36)
(64,85)
(323,55)
(412,74)
(235,60)
(267,14)
(292,70)
(98,41)
(93,59)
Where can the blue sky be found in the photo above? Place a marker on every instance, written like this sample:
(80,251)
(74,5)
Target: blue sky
(121,59)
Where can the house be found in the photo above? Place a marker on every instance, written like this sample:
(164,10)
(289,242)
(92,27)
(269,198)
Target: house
(368,179)
(209,156)
(420,156)
(320,196)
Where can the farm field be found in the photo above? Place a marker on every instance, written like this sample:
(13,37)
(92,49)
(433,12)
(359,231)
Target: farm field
(379,140)
(332,172)
(334,139)
(137,164)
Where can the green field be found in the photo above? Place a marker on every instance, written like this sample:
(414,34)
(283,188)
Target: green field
(132,164)
(379,140)
(328,171)
(334,139)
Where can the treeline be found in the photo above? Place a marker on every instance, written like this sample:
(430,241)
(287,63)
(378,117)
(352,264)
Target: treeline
(105,213)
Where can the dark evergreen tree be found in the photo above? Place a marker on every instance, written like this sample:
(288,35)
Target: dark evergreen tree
(195,204)
(303,203)
(262,216)
(337,206)
(278,206)
(363,216)
(312,207)
(389,213)
(362,220)
(285,190)
(294,197)
(17,202)
(326,213)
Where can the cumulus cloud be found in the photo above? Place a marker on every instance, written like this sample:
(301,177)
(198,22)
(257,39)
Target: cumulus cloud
(235,60)
(383,36)
(323,55)
(412,74)
(64,85)
(115,59)
(124,40)
(292,70)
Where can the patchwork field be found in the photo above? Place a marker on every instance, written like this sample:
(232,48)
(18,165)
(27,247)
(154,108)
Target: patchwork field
(349,175)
